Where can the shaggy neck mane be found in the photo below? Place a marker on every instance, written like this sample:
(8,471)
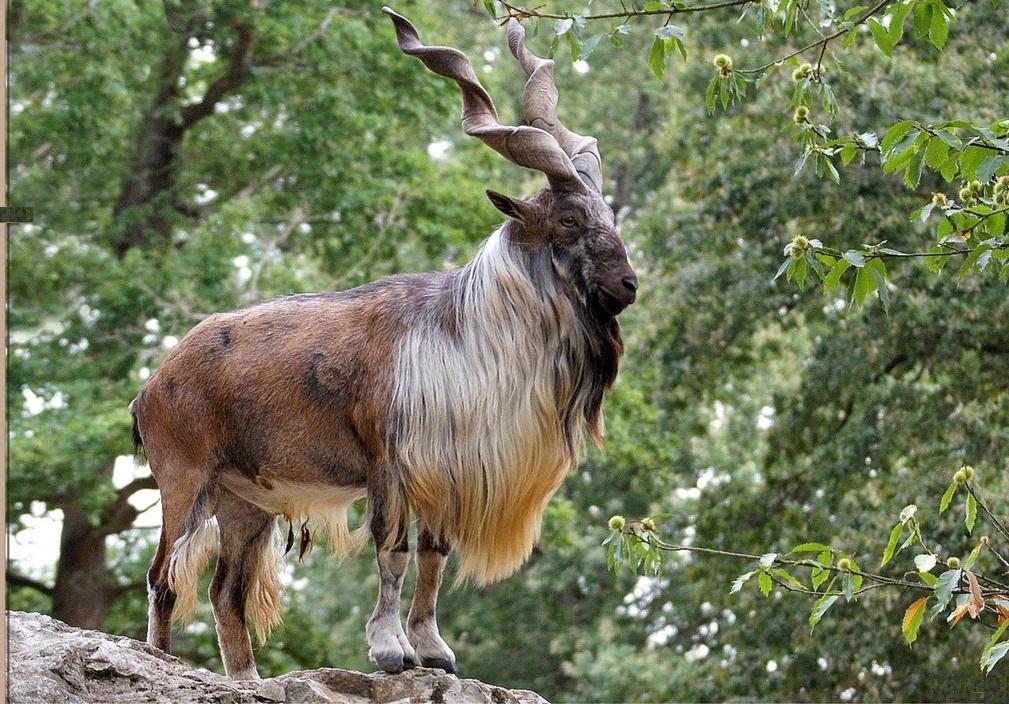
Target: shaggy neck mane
(495,385)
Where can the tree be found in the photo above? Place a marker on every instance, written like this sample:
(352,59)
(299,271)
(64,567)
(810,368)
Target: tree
(145,200)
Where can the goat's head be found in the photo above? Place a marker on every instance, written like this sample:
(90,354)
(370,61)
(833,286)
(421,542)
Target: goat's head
(570,219)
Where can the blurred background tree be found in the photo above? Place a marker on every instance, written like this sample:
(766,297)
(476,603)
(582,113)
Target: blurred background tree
(195,157)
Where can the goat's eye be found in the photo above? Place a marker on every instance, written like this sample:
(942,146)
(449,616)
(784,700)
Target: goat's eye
(568,222)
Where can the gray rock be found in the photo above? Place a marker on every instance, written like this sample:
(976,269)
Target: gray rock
(53,663)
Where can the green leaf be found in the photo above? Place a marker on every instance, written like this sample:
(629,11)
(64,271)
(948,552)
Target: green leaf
(948,496)
(657,57)
(912,619)
(927,578)
(995,651)
(785,265)
(881,36)
(819,575)
(922,19)
(897,18)
(970,159)
(891,544)
(589,45)
(809,547)
(833,278)
(938,29)
(819,609)
(709,96)
(739,581)
(850,584)
(766,583)
(786,576)
(944,587)
(827,167)
(848,152)
(854,258)
(935,263)
(988,168)
(912,177)
(669,31)
(971,513)
(894,134)
(801,163)
(972,558)
(878,270)
(865,285)
(935,152)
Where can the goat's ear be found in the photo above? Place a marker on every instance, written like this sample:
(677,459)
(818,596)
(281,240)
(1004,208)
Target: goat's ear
(512,207)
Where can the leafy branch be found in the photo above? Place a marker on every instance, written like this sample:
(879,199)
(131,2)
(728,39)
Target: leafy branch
(847,28)
(833,574)
(650,9)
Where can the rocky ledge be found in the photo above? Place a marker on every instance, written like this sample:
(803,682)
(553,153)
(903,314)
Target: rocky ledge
(54,663)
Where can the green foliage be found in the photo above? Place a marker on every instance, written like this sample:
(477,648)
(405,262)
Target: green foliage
(829,567)
(756,415)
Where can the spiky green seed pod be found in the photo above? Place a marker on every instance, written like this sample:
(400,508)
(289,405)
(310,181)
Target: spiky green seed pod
(954,563)
(939,199)
(797,247)
(617,523)
(802,73)
(722,61)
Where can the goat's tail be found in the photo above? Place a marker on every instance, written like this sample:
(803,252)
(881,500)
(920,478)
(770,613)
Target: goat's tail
(138,441)
(190,554)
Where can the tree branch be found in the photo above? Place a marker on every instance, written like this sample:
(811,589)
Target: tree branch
(239,63)
(999,525)
(822,43)
(19,580)
(520,13)
(120,514)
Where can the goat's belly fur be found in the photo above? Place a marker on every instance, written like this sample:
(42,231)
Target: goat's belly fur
(322,506)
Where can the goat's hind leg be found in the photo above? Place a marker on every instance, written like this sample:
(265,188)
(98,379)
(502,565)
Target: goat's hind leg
(245,582)
(186,504)
(388,646)
(161,597)
(422,624)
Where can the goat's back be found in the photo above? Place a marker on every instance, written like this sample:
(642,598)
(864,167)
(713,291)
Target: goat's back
(298,386)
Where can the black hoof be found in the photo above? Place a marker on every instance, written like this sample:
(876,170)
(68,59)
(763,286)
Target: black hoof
(409,663)
(389,661)
(439,664)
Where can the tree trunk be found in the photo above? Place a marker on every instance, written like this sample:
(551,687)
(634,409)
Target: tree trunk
(81,594)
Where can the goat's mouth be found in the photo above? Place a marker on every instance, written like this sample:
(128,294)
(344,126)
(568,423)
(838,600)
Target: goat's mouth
(614,302)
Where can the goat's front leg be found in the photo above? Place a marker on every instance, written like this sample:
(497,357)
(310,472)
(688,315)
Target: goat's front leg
(388,646)
(422,624)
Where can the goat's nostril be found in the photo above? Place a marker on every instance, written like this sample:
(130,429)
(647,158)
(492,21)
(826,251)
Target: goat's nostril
(631,283)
